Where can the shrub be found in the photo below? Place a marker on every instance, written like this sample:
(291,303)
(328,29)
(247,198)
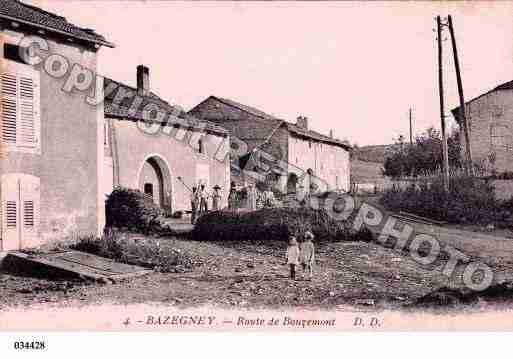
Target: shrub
(145,252)
(469,200)
(131,209)
(271,224)
(178,214)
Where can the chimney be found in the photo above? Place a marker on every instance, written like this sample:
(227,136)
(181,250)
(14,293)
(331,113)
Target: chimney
(331,133)
(302,121)
(143,80)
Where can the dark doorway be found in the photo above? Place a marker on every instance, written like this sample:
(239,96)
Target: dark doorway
(148,189)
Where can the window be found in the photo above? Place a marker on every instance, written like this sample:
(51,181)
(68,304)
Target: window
(201,149)
(20,214)
(20,108)
(497,111)
(498,135)
(15,53)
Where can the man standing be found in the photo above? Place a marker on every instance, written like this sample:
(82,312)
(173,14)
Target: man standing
(195,201)
(216,198)
(203,194)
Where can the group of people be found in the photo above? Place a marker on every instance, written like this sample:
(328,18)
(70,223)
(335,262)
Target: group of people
(301,254)
(200,197)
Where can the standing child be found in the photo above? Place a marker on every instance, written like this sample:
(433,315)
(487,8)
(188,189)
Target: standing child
(308,254)
(292,256)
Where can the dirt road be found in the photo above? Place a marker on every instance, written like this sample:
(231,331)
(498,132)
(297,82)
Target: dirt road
(247,275)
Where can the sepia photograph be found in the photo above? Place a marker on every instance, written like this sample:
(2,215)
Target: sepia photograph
(273,166)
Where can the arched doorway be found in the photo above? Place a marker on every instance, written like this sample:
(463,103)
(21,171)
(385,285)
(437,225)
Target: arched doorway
(155,181)
(292,183)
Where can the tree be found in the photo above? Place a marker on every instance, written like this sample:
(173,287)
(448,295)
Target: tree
(424,157)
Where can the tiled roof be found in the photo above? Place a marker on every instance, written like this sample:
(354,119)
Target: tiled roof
(251,110)
(18,11)
(122,109)
(505,86)
(316,136)
(295,129)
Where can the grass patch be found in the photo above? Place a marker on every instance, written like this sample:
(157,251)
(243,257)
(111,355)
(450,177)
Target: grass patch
(142,251)
(469,200)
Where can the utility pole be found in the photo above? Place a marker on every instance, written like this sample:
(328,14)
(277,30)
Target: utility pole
(445,159)
(411,132)
(463,118)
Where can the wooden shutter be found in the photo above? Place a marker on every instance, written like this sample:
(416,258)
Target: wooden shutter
(30,210)
(9,108)
(20,106)
(27,112)
(11,212)
(20,211)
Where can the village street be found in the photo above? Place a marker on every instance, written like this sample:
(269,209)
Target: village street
(247,276)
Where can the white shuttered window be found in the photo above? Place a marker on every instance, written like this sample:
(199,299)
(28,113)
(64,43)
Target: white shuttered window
(20,112)
(20,215)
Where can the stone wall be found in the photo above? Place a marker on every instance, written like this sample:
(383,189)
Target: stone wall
(488,116)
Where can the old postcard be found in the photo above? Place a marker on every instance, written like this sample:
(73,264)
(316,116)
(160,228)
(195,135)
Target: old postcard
(242,166)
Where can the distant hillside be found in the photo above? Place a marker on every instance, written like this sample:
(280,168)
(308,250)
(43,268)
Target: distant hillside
(367,163)
(375,153)
(366,171)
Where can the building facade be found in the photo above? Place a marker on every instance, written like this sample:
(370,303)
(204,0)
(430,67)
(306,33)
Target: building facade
(303,159)
(66,142)
(50,178)
(490,120)
(165,159)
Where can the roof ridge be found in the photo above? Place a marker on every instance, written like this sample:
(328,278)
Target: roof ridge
(41,10)
(312,133)
(245,108)
(19,11)
(508,85)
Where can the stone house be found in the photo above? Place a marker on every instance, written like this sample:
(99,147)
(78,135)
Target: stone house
(164,161)
(50,140)
(68,136)
(295,157)
(490,120)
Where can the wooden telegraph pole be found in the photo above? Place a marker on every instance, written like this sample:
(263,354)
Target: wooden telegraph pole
(445,159)
(411,131)
(463,118)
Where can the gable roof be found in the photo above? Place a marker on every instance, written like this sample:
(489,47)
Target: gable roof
(122,110)
(505,86)
(292,128)
(16,10)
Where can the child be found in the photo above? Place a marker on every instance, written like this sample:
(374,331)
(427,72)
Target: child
(308,254)
(292,256)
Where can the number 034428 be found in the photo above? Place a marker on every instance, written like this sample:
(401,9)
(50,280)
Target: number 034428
(29,345)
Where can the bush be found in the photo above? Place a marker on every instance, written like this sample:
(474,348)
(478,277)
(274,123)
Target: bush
(272,224)
(145,252)
(133,210)
(178,214)
(469,200)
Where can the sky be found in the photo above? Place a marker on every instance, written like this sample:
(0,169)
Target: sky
(354,67)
